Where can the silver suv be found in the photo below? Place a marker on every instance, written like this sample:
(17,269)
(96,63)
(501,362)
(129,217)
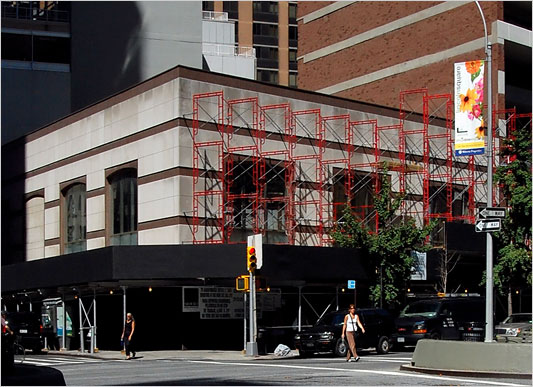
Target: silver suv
(514,329)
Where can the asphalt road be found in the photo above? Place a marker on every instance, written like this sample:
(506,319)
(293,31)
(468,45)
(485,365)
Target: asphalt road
(372,370)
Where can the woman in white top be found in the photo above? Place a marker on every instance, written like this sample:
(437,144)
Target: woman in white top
(349,329)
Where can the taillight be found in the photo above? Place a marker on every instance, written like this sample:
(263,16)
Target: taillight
(4,329)
(40,328)
(420,331)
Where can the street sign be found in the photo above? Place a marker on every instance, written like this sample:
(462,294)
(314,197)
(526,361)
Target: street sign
(488,225)
(492,212)
(351,284)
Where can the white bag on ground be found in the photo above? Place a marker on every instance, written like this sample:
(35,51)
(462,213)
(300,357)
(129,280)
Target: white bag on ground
(282,350)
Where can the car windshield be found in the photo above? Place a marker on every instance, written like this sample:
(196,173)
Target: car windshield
(518,318)
(331,319)
(426,309)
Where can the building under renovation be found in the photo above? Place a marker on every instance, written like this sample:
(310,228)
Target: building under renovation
(109,205)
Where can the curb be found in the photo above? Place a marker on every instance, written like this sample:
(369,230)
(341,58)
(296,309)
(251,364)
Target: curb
(472,374)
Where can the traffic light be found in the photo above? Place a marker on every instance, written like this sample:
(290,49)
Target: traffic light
(242,283)
(251,259)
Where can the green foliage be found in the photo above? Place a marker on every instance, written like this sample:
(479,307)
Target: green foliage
(513,263)
(389,251)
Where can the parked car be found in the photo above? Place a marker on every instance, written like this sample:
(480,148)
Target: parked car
(455,318)
(27,329)
(514,329)
(325,335)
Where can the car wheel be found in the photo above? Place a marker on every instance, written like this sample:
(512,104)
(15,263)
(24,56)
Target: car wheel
(434,336)
(341,348)
(383,345)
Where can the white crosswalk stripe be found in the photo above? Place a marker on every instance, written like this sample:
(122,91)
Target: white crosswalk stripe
(56,360)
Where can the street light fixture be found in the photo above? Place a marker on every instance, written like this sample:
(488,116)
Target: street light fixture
(489,280)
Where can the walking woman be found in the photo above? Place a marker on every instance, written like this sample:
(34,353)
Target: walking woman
(127,333)
(349,329)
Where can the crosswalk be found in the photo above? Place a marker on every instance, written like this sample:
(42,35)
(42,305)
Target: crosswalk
(46,360)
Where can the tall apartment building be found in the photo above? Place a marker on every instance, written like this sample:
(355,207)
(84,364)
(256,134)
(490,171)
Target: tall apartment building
(371,50)
(271,28)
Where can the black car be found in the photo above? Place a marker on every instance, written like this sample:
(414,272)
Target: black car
(27,329)
(325,335)
(455,318)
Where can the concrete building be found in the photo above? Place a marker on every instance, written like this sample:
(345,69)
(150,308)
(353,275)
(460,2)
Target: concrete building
(370,50)
(143,201)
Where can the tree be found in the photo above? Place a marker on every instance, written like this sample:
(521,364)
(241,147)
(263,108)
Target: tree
(513,263)
(389,251)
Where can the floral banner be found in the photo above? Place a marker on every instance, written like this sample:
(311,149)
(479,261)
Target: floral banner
(469,124)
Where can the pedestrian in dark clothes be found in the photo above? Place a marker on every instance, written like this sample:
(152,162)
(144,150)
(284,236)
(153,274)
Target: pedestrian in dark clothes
(127,334)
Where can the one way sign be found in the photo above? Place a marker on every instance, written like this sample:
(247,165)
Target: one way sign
(492,212)
(488,225)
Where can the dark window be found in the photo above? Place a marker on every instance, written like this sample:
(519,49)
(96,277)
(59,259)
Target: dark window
(51,49)
(75,221)
(123,186)
(267,76)
(208,6)
(232,8)
(293,8)
(270,30)
(266,52)
(16,47)
(293,33)
(265,11)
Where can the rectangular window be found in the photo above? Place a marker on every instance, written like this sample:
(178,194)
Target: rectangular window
(293,80)
(51,49)
(293,8)
(16,47)
(267,76)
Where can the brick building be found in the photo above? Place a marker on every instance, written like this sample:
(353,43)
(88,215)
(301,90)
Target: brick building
(368,51)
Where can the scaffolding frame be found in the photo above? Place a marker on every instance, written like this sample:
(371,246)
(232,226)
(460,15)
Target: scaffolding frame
(313,155)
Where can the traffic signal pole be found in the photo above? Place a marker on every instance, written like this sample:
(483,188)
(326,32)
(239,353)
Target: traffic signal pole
(251,346)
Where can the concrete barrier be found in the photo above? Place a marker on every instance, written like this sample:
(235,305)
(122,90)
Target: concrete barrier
(481,357)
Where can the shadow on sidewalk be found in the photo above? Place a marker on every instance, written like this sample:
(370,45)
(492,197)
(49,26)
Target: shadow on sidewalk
(29,375)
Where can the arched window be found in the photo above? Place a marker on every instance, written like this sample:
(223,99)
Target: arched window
(75,219)
(123,222)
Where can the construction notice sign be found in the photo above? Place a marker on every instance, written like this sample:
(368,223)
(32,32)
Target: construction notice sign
(468,107)
(213,302)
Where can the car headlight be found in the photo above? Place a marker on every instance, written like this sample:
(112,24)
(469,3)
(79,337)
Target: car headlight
(326,335)
(297,337)
(513,331)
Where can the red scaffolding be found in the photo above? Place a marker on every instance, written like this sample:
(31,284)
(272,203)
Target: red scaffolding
(321,163)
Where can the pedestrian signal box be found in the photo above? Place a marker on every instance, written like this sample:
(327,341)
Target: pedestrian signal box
(251,259)
(242,283)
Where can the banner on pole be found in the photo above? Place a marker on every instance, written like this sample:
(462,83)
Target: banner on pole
(468,108)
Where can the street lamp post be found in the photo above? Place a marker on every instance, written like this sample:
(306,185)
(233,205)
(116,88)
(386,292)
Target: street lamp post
(489,279)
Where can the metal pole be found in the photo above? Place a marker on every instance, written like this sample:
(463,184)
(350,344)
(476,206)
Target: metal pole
(299,308)
(251,347)
(94,321)
(337,296)
(489,280)
(82,344)
(64,318)
(244,308)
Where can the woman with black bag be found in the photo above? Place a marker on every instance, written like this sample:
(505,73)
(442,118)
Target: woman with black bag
(349,329)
